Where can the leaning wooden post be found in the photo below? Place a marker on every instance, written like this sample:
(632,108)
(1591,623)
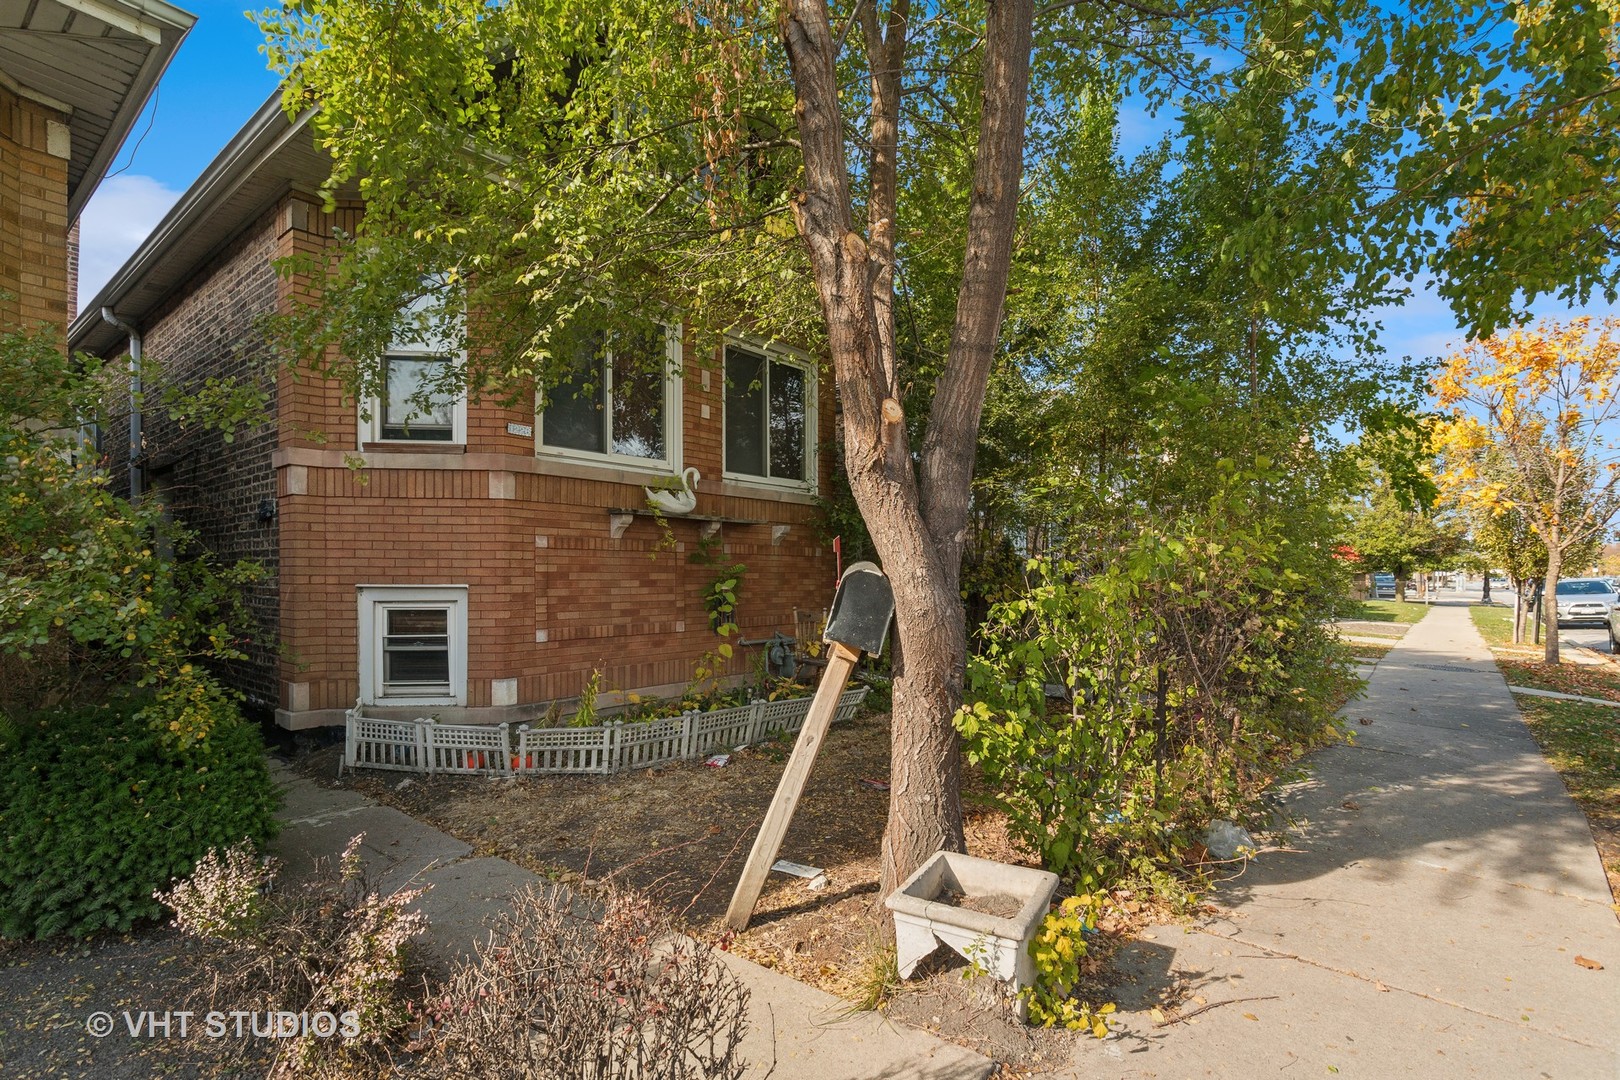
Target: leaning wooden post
(862,608)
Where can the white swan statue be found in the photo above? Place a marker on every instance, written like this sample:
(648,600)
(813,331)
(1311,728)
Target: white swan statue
(682,500)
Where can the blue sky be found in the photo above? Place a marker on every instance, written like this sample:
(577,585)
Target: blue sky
(213,85)
(219,77)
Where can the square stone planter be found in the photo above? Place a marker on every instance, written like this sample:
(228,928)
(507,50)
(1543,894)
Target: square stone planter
(987,911)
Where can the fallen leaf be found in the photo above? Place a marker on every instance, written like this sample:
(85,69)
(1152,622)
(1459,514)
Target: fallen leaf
(1365,721)
(1588,963)
(1199,1001)
(1350,804)
(1380,987)
(1250,1016)
(1158,1016)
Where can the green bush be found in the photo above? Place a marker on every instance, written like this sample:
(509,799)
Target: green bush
(1193,664)
(98,810)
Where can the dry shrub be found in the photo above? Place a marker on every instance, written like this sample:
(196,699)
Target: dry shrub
(561,993)
(333,943)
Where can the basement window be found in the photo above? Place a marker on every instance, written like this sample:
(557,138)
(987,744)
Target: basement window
(413,644)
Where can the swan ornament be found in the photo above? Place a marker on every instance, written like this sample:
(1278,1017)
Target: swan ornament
(681,500)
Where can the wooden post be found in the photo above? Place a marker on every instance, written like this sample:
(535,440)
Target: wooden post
(841,661)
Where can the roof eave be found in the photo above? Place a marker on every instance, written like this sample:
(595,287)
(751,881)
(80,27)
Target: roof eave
(172,24)
(267,130)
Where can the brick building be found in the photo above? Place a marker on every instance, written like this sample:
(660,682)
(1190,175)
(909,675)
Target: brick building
(485,559)
(74,75)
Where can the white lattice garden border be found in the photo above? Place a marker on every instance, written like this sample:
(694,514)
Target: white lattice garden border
(427,746)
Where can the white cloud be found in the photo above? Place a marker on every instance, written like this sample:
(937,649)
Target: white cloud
(1425,327)
(121,214)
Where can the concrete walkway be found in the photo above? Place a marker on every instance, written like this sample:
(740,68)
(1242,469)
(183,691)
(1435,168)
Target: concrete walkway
(795,1030)
(1425,922)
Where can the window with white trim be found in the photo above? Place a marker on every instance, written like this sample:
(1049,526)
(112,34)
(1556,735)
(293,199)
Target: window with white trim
(621,401)
(770,416)
(413,644)
(423,360)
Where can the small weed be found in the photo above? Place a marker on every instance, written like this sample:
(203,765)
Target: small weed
(877,978)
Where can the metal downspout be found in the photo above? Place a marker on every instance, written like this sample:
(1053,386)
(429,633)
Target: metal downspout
(136,479)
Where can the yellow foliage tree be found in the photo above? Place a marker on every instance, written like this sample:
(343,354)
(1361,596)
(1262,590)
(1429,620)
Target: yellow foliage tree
(1529,424)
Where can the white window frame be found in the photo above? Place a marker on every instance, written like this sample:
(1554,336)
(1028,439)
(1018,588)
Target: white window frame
(812,426)
(371,412)
(670,464)
(373,601)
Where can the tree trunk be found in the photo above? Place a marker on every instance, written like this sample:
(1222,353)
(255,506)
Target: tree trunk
(1549,598)
(1485,595)
(917,516)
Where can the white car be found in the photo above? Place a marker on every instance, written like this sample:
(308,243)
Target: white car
(1585,601)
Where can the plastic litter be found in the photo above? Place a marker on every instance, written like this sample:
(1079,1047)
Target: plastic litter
(1228,840)
(814,876)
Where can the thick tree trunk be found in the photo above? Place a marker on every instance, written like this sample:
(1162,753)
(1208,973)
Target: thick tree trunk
(1485,595)
(917,523)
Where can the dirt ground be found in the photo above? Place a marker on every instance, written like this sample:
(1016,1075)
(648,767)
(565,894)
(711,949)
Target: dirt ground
(682,833)
(50,990)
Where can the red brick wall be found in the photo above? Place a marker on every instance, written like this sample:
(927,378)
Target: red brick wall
(551,593)
(211,327)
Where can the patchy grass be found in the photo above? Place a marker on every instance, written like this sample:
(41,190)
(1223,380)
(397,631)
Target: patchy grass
(1363,651)
(1390,611)
(1599,682)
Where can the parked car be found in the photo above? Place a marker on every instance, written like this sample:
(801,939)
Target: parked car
(1383,587)
(1585,601)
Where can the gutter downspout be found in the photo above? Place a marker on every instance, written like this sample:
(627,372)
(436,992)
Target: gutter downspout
(136,479)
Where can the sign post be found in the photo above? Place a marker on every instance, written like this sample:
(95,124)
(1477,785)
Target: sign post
(859,623)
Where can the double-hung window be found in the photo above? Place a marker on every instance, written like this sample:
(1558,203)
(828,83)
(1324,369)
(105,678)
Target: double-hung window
(619,402)
(770,417)
(413,644)
(416,402)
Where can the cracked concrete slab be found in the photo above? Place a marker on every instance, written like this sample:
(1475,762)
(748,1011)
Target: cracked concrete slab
(1313,1023)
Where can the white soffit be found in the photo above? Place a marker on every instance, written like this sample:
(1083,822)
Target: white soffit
(100,59)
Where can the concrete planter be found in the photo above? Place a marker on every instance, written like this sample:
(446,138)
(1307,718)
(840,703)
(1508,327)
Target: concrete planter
(937,903)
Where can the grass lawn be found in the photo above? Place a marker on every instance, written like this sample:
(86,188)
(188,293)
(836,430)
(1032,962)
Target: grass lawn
(1494,622)
(1392,611)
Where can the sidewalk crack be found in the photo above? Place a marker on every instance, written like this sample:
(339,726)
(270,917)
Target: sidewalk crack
(1379,984)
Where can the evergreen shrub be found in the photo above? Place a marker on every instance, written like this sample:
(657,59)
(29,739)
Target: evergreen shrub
(98,810)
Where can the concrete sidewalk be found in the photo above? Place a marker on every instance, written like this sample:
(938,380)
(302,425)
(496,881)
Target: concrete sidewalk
(1425,922)
(795,1030)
